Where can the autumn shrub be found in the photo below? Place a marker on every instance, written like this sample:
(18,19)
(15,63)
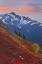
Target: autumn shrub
(35,48)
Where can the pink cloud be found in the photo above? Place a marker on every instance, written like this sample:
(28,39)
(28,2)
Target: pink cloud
(40,20)
(29,9)
(4,9)
(26,9)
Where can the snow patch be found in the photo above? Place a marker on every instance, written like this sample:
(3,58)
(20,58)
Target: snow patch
(11,15)
(19,26)
(22,21)
(6,17)
(33,23)
(12,19)
(12,23)
(1,17)
(40,25)
(4,21)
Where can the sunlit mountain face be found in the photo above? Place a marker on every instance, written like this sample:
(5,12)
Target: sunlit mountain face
(30,28)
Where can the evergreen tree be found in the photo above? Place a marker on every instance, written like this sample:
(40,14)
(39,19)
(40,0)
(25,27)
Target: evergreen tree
(19,34)
(16,32)
(24,37)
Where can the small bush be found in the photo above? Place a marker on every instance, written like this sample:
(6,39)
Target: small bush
(35,48)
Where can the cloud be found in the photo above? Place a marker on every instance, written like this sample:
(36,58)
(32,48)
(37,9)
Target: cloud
(26,9)
(6,9)
(29,8)
(40,20)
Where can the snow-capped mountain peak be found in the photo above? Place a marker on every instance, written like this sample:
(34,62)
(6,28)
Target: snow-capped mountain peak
(17,20)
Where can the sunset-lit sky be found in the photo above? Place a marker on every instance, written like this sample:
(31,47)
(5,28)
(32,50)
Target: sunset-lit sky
(30,8)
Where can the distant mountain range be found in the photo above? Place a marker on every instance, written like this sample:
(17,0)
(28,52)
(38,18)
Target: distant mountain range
(30,28)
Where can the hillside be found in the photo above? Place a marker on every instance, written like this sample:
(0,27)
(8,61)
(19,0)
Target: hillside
(15,50)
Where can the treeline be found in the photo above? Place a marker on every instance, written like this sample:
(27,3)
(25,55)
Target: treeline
(35,47)
(19,34)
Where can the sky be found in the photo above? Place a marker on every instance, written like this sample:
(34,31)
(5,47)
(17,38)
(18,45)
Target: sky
(29,8)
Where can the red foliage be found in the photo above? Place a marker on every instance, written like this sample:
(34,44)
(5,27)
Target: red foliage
(12,53)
